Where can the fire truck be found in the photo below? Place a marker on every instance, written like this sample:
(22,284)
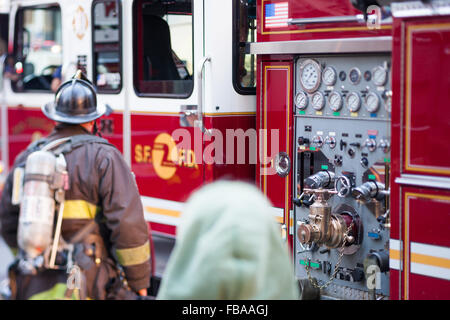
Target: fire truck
(334,109)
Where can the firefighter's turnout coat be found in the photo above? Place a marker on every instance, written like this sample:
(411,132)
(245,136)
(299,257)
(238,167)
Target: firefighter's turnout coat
(103,188)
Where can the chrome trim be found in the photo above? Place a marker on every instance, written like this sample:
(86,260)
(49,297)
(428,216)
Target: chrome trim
(359,18)
(424,181)
(347,45)
(200,82)
(418,8)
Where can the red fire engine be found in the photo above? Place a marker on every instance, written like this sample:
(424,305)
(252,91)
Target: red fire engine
(333,108)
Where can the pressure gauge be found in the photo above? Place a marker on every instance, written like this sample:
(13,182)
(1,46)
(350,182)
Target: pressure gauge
(372,102)
(329,76)
(301,100)
(335,101)
(354,75)
(318,101)
(379,75)
(353,102)
(310,74)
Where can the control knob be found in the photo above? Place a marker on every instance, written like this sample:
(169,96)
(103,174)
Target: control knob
(370,144)
(318,141)
(364,162)
(331,142)
(384,145)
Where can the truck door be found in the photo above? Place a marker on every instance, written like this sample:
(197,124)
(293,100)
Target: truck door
(165,66)
(420,245)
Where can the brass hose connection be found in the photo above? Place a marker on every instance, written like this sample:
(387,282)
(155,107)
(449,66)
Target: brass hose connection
(323,228)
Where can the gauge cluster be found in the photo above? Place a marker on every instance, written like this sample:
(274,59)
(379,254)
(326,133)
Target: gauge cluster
(342,140)
(344,86)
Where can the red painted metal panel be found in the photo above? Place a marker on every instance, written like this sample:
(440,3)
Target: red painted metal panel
(396,134)
(157,177)
(314,9)
(162,228)
(426,83)
(426,288)
(275,116)
(424,223)
(236,124)
(394,292)
(396,276)
(420,124)
(151,146)
(25,126)
(276,98)
(429,212)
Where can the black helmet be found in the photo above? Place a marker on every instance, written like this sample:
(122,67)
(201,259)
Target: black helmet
(75,102)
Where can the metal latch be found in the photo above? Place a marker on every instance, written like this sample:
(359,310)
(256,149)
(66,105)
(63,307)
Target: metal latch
(188,115)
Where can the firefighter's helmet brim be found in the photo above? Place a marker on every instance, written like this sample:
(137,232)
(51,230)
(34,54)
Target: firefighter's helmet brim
(75,102)
(50,112)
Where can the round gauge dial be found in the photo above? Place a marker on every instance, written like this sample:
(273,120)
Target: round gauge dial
(301,100)
(353,102)
(354,75)
(379,75)
(372,102)
(335,101)
(329,76)
(310,74)
(318,101)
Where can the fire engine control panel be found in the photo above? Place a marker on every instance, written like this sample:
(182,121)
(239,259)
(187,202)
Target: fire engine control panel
(342,164)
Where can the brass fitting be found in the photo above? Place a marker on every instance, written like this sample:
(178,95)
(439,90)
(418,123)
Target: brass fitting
(324,228)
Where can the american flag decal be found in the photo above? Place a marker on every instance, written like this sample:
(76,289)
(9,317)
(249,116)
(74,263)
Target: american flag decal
(276,15)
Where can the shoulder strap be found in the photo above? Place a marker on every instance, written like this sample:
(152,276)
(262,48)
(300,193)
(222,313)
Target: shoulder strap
(81,139)
(56,144)
(37,145)
(63,145)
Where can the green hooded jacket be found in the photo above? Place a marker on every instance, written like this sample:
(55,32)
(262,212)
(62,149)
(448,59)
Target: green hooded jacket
(229,248)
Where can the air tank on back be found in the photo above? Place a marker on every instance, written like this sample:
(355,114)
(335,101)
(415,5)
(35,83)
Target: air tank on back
(38,205)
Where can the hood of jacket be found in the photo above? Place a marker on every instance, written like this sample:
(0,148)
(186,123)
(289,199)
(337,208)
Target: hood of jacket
(229,246)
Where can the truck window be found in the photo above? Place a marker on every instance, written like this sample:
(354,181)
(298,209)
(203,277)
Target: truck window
(244,31)
(38,49)
(106,37)
(163,46)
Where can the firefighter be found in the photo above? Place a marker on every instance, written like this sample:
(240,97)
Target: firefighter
(228,248)
(102,216)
